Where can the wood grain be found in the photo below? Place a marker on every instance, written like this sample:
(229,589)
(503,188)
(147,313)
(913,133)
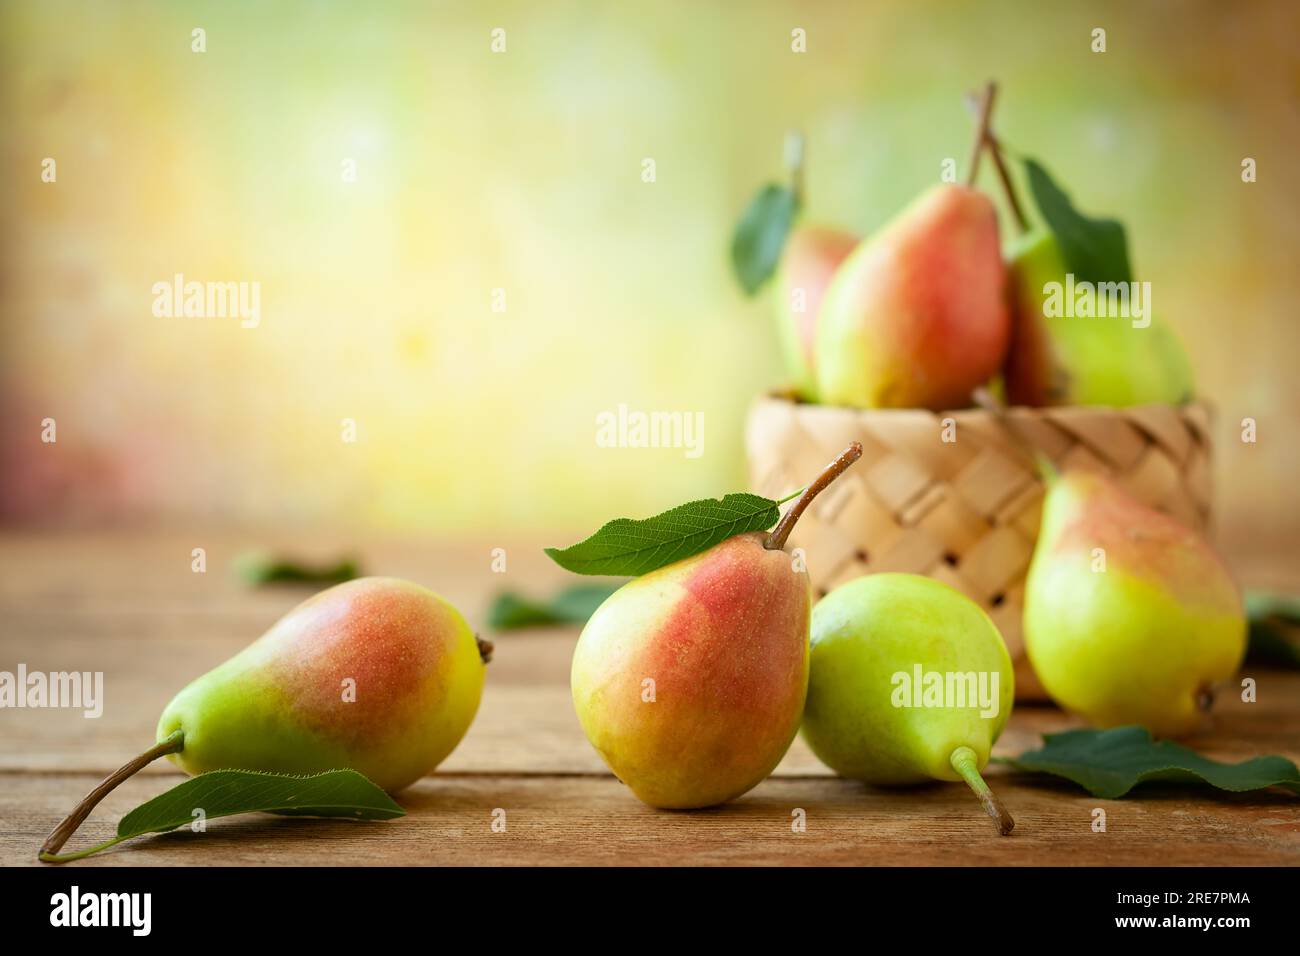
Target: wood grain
(132,608)
(554,820)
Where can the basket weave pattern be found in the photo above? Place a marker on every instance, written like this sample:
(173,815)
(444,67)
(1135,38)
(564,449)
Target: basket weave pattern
(966,510)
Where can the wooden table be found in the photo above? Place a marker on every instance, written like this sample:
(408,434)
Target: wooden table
(130,606)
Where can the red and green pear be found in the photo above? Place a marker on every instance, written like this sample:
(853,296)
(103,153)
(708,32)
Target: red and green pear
(376,675)
(1130,617)
(690,680)
(916,315)
(808,263)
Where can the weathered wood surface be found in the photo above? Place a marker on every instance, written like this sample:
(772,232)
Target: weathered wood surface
(131,607)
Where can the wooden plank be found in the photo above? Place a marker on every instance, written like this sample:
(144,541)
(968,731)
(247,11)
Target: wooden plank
(131,607)
(526,722)
(595,820)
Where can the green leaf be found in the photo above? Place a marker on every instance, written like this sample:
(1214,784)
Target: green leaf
(257,568)
(573,605)
(1274,628)
(1095,250)
(628,547)
(1110,763)
(223,793)
(760,235)
(1261,605)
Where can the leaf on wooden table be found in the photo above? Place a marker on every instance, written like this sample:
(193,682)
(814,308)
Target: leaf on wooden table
(1110,763)
(223,793)
(257,568)
(573,605)
(1274,628)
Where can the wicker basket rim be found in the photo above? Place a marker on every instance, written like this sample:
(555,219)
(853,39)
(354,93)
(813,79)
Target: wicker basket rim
(786,398)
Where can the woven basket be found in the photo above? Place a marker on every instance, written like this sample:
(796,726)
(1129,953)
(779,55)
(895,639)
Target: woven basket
(965,512)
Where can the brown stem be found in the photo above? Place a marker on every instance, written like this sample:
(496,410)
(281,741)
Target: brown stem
(485,649)
(60,834)
(965,762)
(794,151)
(776,540)
(981,134)
(999,163)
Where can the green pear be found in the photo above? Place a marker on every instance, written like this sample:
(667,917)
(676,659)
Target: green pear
(1061,359)
(1129,617)
(916,315)
(808,263)
(909,681)
(376,675)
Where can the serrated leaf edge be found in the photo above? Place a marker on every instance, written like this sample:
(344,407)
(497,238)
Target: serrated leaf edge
(652,561)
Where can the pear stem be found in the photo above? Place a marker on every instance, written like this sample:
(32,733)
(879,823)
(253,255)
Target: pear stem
(1047,469)
(999,163)
(794,152)
(964,761)
(776,540)
(981,134)
(60,834)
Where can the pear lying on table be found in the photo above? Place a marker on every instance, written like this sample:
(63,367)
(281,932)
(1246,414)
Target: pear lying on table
(910,681)
(377,675)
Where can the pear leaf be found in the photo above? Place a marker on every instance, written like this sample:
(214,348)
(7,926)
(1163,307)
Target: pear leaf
(573,605)
(1274,628)
(256,568)
(1094,250)
(760,235)
(223,793)
(1110,763)
(631,547)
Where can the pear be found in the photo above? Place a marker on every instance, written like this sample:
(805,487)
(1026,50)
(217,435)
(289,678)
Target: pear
(811,256)
(916,315)
(1076,360)
(377,675)
(910,681)
(690,680)
(1129,617)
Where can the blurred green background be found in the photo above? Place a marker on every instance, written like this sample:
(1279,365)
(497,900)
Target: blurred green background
(522,171)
